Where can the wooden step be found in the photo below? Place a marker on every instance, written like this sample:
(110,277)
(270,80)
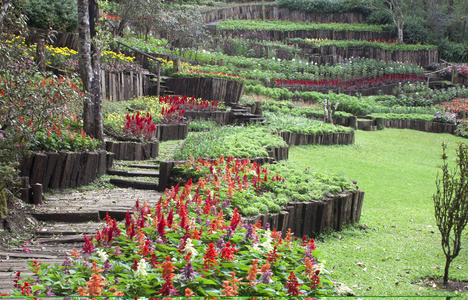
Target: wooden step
(138,173)
(136,184)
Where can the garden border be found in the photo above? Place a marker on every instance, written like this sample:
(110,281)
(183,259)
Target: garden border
(60,170)
(335,138)
(133,150)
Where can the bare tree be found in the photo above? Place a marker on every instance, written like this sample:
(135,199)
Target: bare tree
(398,9)
(451,204)
(90,69)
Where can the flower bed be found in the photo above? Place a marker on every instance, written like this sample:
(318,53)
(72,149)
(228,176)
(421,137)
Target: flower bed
(348,85)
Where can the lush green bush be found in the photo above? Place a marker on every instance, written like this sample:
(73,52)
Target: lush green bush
(453,52)
(324,6)
(59,14)
(379,17)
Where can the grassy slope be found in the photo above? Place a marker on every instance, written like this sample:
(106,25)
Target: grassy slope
(397,170)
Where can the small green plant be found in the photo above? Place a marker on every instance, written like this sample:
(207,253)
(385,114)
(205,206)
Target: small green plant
(451,204)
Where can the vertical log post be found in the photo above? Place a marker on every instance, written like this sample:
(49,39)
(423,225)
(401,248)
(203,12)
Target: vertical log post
(158,86)
(25,189)
(37,193)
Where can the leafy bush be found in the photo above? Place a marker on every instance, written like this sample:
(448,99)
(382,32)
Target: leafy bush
(395,116)
(415,31)
(323,6)
(58,139)
(59,14)
(201,125)
(379,17)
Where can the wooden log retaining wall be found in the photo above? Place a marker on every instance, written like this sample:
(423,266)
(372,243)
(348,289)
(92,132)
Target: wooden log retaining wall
(426,126)
(336,138)
(125,86)
(213,89)
(312,217)
(254,11)
(276,35)
(332,53)
(60,170)
(169,132)
(133,150)
(220,117)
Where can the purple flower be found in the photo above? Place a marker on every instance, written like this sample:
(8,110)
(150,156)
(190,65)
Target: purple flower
(266,277)
(220,243)
(249,234)
(188,272)
(116,281)
(107,266)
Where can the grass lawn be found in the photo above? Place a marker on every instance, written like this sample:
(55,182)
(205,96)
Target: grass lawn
(401,248)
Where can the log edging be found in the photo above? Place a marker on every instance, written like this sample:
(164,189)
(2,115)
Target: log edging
(133,150)
(60,170)
(335,138)
(313,217)
(213,89)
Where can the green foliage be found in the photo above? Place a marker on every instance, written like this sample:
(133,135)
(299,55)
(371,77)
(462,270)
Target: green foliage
(379,17)
(279,25)
(403,116)
(287,123)
(355,43)
(451,204)
(238,141)
(63,140)
(415,30)
(58,14)
(453,52)
(201,125)
(324,6)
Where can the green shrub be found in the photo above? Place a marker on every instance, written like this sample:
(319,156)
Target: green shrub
(379,17)
(58,14)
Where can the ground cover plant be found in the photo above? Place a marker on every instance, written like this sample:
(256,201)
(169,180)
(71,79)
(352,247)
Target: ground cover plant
(186,246)
(236,141)
(396,249)
(280,25)
(391,45)
(286,123)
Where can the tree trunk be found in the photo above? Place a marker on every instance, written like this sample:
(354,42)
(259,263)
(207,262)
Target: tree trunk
(90,69)
(400,32)
(448,260)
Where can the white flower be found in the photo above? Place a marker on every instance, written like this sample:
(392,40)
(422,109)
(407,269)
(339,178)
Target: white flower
(141,269)
(267,243)
(189,248)
(102,255)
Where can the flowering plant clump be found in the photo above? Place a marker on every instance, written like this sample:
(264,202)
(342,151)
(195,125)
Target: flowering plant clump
(462,128)
(185,103)
(184,245)
(445,117)
(445,70)
(324,85)
(141,127)
(456,106)
(212,74)
(59,139)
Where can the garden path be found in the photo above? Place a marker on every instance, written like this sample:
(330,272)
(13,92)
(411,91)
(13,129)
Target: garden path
(65,218)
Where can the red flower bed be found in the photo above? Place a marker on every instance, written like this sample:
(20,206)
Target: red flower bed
(356,83)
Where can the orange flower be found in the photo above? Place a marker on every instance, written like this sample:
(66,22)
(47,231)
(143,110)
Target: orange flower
(230,286)
(95,269)
(95,285)
(188,292)
(75,254)
(253,273)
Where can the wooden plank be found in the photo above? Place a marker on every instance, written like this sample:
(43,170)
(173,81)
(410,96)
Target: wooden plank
(39,167)
(52,158)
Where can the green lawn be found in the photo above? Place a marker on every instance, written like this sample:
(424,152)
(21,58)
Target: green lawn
(397,171)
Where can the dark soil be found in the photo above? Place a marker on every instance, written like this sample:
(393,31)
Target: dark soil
(19,226)
(452,286)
